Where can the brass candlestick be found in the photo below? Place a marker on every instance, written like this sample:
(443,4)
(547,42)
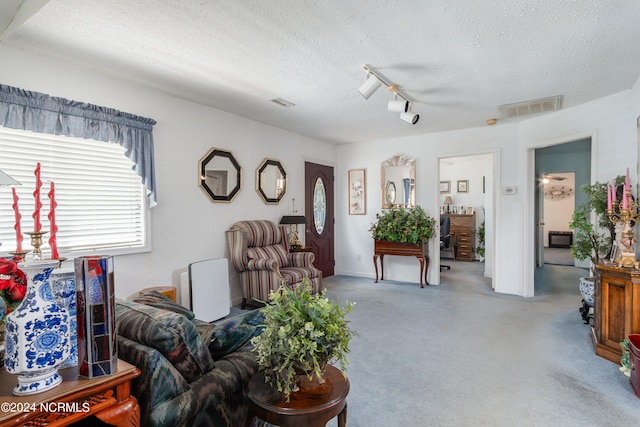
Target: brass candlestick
(36,242)
(18,256)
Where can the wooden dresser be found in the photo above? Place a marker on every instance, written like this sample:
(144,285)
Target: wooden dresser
(616,309)
(463,236)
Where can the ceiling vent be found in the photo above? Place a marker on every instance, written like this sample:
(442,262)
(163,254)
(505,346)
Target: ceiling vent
(535,106)
(283,102)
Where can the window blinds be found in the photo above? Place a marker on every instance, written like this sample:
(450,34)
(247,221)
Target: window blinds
(101,201)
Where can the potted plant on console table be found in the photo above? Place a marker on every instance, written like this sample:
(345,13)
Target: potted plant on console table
(404,232)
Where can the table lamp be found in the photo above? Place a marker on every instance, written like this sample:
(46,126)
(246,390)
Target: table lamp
(448,201)
(7,180)
(293,221)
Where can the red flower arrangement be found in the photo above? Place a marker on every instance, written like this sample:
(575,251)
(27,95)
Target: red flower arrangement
(13,285)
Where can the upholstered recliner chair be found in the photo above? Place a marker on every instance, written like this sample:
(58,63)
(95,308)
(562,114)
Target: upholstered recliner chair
(259,252)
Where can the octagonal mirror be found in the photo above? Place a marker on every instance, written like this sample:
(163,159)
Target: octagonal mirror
(220,175)
(271,181)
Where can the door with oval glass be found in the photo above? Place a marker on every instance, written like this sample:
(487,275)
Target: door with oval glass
(318,209)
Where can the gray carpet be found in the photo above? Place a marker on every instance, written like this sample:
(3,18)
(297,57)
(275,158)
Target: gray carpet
(558,256)
(459,354)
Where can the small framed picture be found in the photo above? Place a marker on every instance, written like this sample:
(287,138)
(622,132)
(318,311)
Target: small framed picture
(445,186)
(357,192)
(463,186)
(470,210)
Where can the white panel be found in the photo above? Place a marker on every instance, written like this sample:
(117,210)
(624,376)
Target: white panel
(185,290)
(209,284)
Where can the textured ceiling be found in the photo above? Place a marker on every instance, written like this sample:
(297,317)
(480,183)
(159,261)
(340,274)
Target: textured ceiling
(457,60)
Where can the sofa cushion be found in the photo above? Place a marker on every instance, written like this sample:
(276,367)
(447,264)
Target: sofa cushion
(172,334)
(156,299)
(227,336)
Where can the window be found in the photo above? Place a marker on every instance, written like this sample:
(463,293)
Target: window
(101,200)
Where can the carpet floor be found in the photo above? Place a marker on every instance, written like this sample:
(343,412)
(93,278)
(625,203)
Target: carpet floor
(459,354)
(558,256)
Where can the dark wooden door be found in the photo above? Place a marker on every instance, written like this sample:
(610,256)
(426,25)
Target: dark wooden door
(318,208)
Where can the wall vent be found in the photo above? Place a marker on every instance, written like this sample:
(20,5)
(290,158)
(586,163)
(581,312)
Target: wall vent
(535,106)
(283,102)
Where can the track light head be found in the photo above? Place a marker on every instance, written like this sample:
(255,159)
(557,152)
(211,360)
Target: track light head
(370,86)
(398,106)
(410,117)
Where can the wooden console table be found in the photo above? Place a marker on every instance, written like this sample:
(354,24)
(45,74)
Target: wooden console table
(384,247)
(107,398)
(616,309)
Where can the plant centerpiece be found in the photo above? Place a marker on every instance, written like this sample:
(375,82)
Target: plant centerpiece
(403,225)
(302,333)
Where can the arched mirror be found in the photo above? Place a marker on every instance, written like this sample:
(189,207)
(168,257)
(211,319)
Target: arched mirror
(398,182)
(271,181)
(220,175)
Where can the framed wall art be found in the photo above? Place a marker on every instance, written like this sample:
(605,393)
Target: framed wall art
(463,186)
(357,192)
(445,186)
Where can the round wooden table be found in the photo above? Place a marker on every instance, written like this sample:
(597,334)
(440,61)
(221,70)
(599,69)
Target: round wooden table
(313,405)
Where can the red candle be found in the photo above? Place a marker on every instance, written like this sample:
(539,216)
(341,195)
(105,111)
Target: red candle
(53,242)
(37,226)
(613,191)
(16,227)
(608,197)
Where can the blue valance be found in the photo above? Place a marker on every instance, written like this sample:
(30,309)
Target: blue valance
(38,112)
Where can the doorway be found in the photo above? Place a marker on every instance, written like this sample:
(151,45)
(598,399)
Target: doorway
(467,182)
(559,164)
(319,214)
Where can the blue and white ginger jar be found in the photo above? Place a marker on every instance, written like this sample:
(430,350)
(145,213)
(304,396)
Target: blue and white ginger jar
(37,333)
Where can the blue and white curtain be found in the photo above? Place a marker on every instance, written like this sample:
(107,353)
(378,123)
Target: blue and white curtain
(39,112)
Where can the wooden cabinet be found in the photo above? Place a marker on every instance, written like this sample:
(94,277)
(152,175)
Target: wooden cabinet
(616,309)
(463,236)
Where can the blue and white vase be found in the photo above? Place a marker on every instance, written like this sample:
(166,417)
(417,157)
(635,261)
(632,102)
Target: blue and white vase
(63,288)
(37,333)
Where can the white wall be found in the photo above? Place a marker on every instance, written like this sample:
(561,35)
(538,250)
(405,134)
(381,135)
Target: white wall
(186,226)
(611,121)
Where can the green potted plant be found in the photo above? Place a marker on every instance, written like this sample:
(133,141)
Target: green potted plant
(588,242)
(410,225)
(302,332)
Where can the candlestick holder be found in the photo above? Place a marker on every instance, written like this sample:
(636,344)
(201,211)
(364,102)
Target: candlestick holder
(18,256)
(36,242)
(625,213)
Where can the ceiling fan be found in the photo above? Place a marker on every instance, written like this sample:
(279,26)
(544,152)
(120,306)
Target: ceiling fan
(554,177)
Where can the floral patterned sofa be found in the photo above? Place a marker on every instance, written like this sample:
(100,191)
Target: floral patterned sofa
(193,372)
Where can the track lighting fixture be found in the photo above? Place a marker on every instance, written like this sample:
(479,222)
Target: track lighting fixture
(410,117)
(370,86)
(398,106)
(402,105)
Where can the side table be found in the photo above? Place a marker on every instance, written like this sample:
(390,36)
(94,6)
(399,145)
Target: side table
(107,398)
(167,291)
(312,406)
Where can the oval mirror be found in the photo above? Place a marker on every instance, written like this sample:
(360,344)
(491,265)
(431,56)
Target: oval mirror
(271,181)
(391,193)
(220,175)
(398,182)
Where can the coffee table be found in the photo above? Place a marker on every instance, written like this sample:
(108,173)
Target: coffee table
(313,405)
